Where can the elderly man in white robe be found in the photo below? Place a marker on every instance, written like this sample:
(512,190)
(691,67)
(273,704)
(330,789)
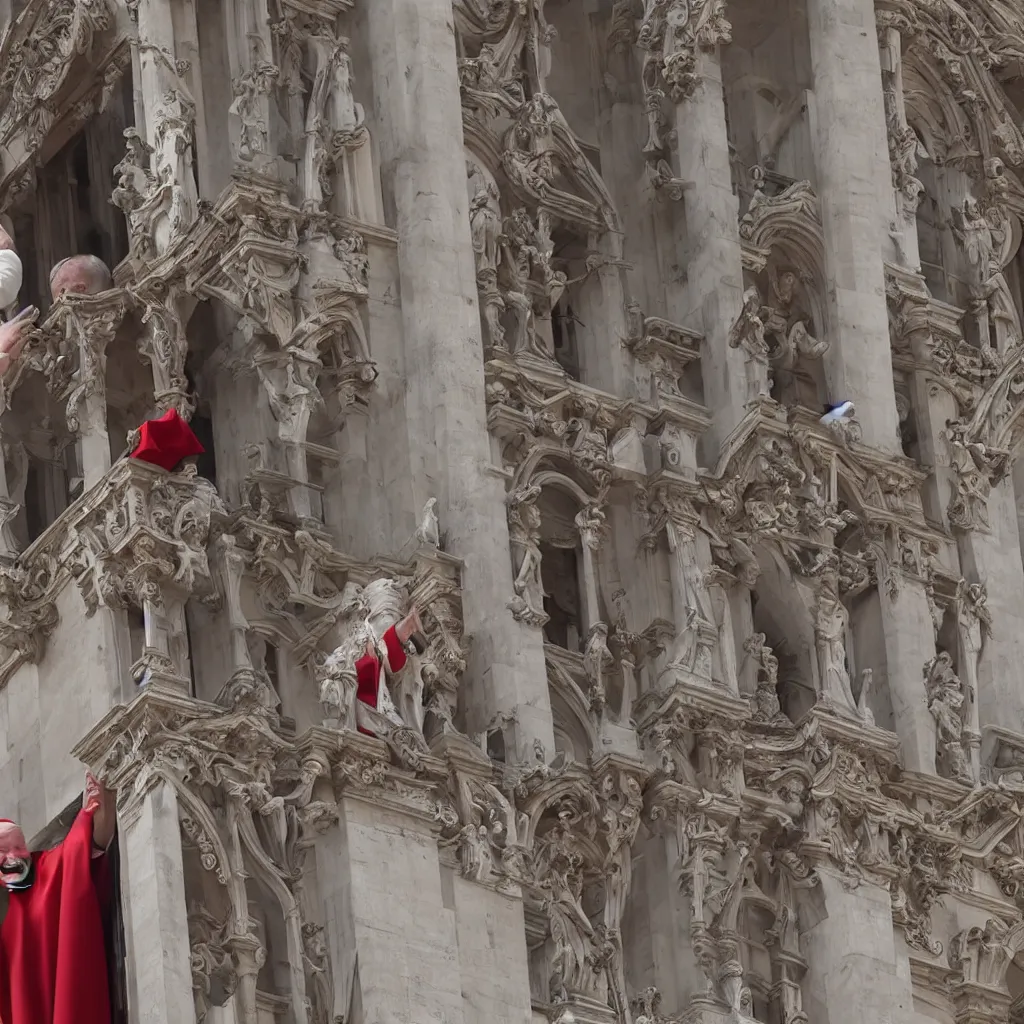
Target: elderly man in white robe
(13,333)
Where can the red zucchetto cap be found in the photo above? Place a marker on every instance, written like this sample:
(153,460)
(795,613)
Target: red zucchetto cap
(166,441)
(7,821)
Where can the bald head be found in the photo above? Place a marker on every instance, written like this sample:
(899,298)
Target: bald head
(80,275)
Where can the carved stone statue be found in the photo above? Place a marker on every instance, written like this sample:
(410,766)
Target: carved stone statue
(946,702)
(748,333)
(524,534)
(830,625)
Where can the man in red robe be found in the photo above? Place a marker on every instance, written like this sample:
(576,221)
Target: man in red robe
(53,967)
(372,689)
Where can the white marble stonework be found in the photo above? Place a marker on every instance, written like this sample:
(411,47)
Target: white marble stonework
(524,316)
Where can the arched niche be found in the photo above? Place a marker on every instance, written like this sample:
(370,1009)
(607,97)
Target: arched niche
(782,608)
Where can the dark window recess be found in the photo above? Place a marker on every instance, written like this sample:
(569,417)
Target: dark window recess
(113,933)
(202,427)
(563,334)
(35,509)
(270,667)
(496,745)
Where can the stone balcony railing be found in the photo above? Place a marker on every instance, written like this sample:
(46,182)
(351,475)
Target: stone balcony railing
(128,541)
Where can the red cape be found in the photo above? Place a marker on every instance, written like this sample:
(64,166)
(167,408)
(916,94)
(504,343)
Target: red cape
(52,959)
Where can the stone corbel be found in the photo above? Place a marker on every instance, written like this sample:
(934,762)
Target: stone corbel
(664,350)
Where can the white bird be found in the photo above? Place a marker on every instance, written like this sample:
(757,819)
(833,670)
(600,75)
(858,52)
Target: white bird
(835,413)
(429,530)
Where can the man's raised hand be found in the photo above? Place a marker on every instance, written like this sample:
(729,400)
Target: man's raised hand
(409,625)
(102,802)
(14,334)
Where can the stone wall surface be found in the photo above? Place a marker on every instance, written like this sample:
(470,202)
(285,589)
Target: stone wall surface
(655,368)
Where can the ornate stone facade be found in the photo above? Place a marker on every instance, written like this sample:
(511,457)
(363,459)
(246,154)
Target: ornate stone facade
(524,313)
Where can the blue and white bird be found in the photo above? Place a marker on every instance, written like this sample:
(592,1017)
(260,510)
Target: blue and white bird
(835,413)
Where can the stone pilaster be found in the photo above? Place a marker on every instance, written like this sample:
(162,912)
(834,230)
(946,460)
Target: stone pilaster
(909,643)
(711,298)
(853,971)
(423,170)
(380,881)
(155,916)
(855,189)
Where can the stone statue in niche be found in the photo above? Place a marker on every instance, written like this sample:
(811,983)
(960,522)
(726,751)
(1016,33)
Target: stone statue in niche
(134,179)
(985,238)
(527,278)
(830,626)
(747,333)
(597,660)
(524,521)
(347,117)
(485,226)
(974,624)
(697,634)
(765,701)
(787,321)
(867,716)
(947,702)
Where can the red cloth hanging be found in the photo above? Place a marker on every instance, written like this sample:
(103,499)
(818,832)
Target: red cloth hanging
(164,442)
(53,966)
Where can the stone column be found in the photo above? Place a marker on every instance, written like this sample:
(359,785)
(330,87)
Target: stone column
(855,188)
(155,917)
(710,300)
(909,643)
(853,972)
(907,187)
(423,171)
(380,883)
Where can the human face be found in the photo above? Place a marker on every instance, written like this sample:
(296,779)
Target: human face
(75,277)
(15,860)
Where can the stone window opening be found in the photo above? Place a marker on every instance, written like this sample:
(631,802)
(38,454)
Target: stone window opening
(560,573)
(69,213)
(766,75)
(47,489)
(563,335)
